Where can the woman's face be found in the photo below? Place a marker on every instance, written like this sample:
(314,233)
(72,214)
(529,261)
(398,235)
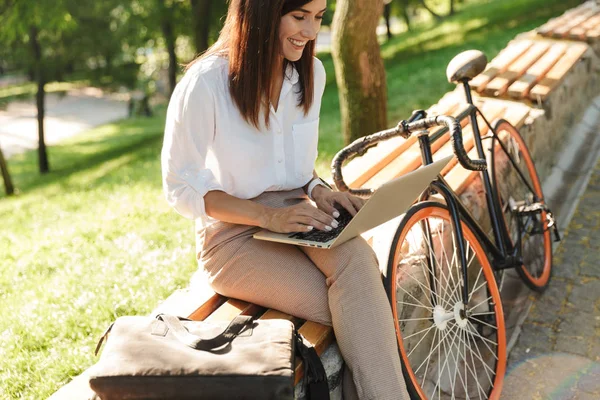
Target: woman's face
(299,26)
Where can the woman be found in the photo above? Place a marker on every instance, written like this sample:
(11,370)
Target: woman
(239,152)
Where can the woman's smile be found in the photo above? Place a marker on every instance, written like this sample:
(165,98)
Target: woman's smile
(297,44)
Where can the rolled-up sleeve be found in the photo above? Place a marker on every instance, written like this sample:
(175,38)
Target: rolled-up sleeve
(189,133)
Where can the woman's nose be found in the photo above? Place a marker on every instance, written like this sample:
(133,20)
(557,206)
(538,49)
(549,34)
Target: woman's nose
(310,31)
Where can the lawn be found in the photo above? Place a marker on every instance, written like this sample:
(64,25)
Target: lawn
(95,239)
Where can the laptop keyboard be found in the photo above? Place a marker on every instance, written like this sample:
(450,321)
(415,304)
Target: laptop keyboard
(325,236)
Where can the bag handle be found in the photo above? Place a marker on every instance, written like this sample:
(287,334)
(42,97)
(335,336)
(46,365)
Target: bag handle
(236,326)
(315,378)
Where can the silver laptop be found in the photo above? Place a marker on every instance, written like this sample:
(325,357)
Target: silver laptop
(390,200)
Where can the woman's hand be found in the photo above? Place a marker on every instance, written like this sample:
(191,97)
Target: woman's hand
(302,217)
(326,200)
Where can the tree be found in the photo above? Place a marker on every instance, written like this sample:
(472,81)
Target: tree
(201,11)
(8,186)
(387,12)
(167,24)
(42,26)
(359,68)
(425,6)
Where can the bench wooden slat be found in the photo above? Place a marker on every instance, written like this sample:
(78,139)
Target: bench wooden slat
(558,71)
(563,30)
(491,112)
(500,63)
(359,171)
(522,86)
(459,178)
(499,85)
(408,161)
(580,32)
(551,25)
(232,308)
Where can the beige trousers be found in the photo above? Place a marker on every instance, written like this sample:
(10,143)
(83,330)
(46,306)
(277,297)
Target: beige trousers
(339,287)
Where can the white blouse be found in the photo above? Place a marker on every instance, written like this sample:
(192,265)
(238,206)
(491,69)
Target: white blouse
(209,146)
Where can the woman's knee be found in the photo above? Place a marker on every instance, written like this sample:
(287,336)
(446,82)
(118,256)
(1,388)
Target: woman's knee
(357,258)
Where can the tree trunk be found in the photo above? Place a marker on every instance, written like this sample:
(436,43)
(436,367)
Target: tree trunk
(405,15)
(167,29)
(39,99)
(425,6)
(452,10)
(201,22)
(8,186)
(387,10)
(359,68)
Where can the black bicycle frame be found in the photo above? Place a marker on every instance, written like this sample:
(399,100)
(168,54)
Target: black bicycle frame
(499,249)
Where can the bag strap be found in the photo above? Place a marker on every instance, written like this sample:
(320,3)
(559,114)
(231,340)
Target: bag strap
(315,378)
(236,326)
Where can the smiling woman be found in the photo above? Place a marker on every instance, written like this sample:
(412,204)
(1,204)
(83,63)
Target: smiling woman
(239,152)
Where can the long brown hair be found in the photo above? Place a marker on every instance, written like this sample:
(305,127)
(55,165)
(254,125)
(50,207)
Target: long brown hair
(250,39)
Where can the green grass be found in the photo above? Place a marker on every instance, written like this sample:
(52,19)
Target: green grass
(95,239)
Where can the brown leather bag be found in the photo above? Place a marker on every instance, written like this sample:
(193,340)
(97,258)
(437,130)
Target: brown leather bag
(168,357)
(174,358)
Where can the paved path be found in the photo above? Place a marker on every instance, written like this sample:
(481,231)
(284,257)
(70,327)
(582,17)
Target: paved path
(65,116)
(557,355)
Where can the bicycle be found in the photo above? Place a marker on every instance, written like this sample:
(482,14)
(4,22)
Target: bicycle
(441,274)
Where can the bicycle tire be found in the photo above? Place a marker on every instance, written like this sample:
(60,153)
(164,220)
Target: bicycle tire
(476,343)
(508,186)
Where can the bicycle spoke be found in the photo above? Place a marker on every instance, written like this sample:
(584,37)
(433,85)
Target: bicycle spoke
(445,254)
(424,266)
(424,336)
(416,305)
(406,291)
(436,347)
(475,288)
(416,333)
(485,340)
(438,281)
(428,358)
(446,362)
(480,303)
(480,356)
(486,324)
(473,374)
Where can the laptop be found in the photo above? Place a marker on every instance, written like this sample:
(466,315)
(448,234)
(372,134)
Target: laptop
(390,200)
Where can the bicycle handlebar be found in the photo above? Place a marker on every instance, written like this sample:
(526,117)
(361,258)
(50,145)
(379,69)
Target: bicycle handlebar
(404,129)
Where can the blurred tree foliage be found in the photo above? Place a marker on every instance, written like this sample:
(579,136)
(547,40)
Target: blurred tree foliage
(121,43)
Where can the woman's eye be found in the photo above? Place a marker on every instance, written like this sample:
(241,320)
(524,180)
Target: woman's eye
(299,18)
(319,17)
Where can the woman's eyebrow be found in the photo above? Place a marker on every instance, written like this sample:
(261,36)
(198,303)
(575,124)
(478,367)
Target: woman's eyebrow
(308,12)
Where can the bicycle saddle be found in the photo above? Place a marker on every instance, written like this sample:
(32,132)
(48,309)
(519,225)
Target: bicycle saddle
(466,66)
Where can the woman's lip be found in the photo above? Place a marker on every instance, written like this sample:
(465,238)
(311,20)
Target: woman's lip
(296,46)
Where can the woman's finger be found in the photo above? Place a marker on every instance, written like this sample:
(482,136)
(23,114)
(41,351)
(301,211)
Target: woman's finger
(291,228)
(357,202)
(310,221)
(321,219)
(327,207)
(347,204)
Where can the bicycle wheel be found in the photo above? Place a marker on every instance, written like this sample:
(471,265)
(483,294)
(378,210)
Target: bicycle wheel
(521,187)
(447,351)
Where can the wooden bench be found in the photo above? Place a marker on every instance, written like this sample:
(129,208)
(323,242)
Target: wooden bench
(529,70)
(581,23)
